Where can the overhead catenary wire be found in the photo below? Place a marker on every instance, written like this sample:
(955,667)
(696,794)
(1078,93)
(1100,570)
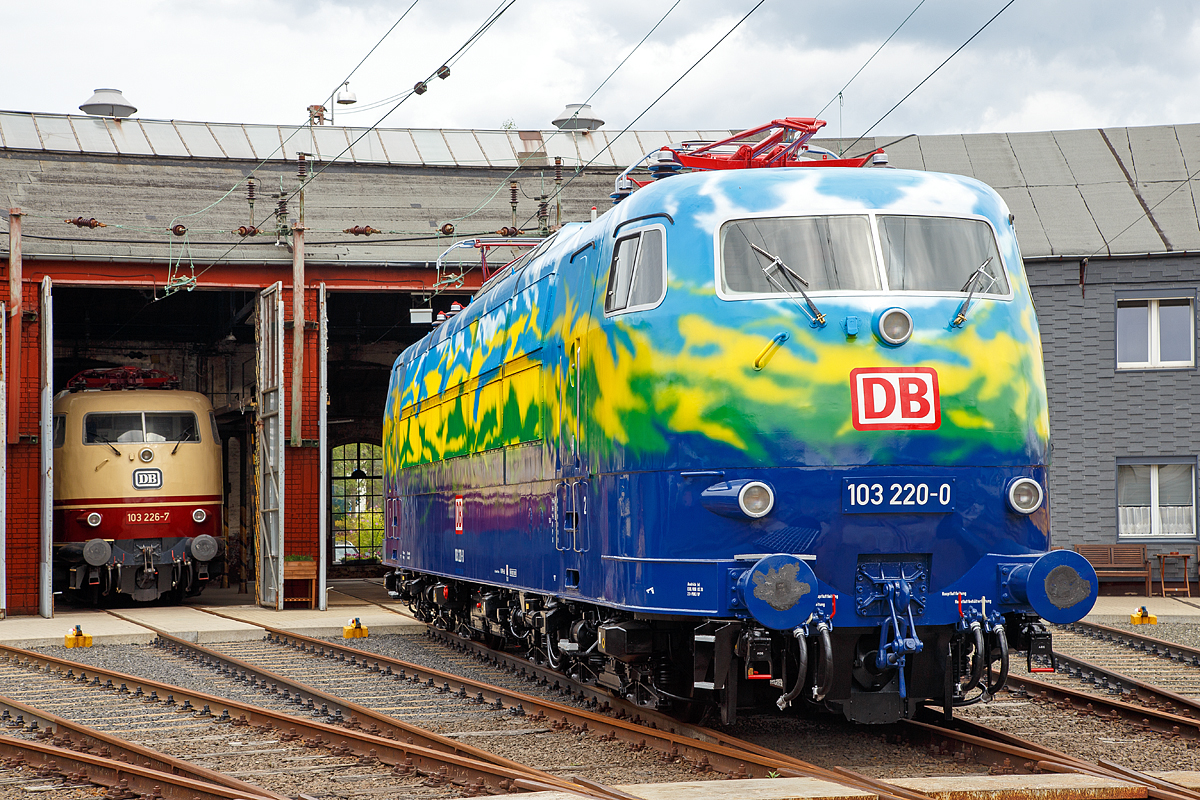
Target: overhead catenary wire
(280,147)
(579,170)
(504,181)
(970,39)
(346,79)
(504,6)
(869,60)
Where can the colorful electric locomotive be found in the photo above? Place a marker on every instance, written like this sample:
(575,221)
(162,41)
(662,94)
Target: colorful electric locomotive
(137,488)
(754,436)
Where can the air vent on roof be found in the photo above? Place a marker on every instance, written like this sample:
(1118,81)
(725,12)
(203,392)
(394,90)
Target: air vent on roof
(108,103)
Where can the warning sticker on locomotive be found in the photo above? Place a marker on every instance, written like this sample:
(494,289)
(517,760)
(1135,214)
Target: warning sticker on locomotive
(895,399)
(897,495)
(147,479)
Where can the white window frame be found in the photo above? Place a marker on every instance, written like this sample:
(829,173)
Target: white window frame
(876,244)
(1155,518)
(1154,333)
(637,233)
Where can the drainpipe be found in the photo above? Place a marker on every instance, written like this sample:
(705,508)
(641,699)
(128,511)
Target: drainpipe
(14,324)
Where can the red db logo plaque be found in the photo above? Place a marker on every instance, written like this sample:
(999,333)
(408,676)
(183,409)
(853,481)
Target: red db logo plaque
(458,514)
(895,399)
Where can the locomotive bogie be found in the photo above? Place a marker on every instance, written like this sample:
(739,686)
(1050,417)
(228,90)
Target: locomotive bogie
(767,435)
(138,508)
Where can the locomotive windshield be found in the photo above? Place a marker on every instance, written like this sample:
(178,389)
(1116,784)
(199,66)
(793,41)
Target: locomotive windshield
(940,254)
(836,253)
(150,426)
(828,253)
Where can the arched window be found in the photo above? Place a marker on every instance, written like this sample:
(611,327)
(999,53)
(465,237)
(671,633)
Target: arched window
(357,502)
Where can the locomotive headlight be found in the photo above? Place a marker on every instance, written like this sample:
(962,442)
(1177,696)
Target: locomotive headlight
(756,499)
(199,515)
(895,326)
(93,519)
(1025,495)
(146,455)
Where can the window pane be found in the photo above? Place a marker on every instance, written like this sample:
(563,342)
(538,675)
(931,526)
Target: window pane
(60,430)
(1175,515)
(100,428)
(622,270)
(1133,500)
(827,252)
(939,254)
(648,278)
(1175,330)
(1133,332)
(178,426)
(1175,485)
(1133,485)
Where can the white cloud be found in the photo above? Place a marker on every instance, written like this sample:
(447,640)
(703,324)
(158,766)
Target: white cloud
(1051,64)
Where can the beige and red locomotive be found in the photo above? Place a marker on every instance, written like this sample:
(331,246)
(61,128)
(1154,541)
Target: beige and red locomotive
(137,487)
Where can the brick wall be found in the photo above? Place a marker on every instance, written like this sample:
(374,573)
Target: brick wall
(301,464)
(24,467)
(1097,414)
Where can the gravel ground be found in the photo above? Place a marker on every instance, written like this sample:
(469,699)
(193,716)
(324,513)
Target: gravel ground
(558,753)
(1184,633)
(259,759)
(24,782)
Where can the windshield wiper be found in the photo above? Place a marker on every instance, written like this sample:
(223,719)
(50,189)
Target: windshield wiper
(965,306)
(107,442)
(813,312)
(186,436)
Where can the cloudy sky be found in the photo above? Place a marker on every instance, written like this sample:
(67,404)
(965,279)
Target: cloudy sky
(1043,64)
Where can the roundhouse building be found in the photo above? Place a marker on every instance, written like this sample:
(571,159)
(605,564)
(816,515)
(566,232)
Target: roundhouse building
(136,242)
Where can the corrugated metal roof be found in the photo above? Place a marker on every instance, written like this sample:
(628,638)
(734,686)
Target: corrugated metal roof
(1073,192)
(57,133)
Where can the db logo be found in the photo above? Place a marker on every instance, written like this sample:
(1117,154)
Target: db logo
(458,514)
(895,399)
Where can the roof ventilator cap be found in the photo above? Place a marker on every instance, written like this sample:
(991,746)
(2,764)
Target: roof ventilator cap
(107,103)
(577,117)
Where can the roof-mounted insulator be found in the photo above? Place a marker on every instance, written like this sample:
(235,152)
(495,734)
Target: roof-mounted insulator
(421,87)
(623,189)
(664,165)
(441,317)
(512,191)
(178,230)
(447,229)
(361,230)
(443,72)
(301,166)
(281,209)
(879,159)
(247,230)
(80,222)
(251,189)
(507,231)
(455,308)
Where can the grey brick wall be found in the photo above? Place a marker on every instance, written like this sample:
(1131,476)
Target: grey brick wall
(1097,414)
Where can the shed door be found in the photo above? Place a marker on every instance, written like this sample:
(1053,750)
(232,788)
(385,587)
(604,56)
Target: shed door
(323,443)
(270,435)
(46,433)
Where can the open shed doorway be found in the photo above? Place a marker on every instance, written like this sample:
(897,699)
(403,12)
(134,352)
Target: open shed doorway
(206,339)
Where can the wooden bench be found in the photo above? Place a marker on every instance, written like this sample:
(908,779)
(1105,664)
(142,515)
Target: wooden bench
(1118,561)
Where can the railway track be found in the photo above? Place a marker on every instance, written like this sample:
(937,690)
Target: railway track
(208,726)
(368,689)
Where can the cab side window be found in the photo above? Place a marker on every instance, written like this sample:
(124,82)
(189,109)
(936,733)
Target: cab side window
(60,430)
(637,277)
